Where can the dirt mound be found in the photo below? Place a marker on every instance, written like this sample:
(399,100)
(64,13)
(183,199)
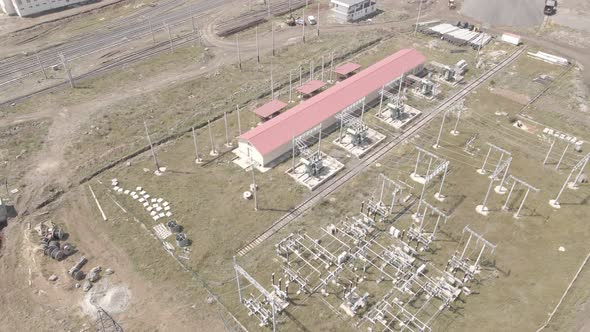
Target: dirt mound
(113,299)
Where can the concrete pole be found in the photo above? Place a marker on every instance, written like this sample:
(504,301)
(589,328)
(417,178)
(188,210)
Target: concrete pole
(40,65)
(442,123)
(421,198)
(254,189)
(152,31)
(290,86)
(454,131)
(485,199)
(483,167)
(239,56)
(320,140)
(466,245)
(303,26)
(197,159)
(293,159)
(169,37)
(239,122)
(238,281)
(563,154)
(257,46)
(417,161)
(428,169)
(479,256)
(213,149)
(268,7)
(272,85)
(418,18)
(381,102)
(382,190)
(227,143)
(322,68)
(549,152)
(318,19)
(273,38)
(190,10)
(522,203)
(556,200)
(310,70)
(505,207)
(580,172)
(67,69)
(332,67)
(151,146)
(440,195)
(500,161)
(363,110)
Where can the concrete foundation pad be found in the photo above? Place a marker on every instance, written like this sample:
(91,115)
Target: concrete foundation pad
(439,197)
(481,171)
(416,217)
(555,204)
(198,161)
(418,178)
(515,216)
(455,132)
(500,190)
(408,115)
(483,210)
(572,185)
(330,167)
(373,139)
(214,153)
(244,162)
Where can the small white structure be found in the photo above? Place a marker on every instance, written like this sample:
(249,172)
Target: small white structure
(25,8)
(511,39)
(352,10)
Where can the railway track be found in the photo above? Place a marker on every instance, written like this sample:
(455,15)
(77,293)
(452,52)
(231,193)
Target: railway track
(15,68)
(250,19)
(338,182)
(114,63)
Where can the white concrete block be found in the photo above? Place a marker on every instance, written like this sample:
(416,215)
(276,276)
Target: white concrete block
(138,189)
(145,204)
(141,200)
(168,214)
(126,192)
(166,208)
(159,208)
(160,200)
(146,196)
(115,188)
(149,208)
(165,204)
(142,192)
(156,217)
(153,213)
(162,214)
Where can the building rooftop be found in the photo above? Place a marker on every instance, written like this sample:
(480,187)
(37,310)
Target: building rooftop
(348,3)
(311,87)
(281,129)
(270,108)
(347,68)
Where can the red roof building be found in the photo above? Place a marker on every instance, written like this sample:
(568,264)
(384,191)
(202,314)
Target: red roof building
(271,140)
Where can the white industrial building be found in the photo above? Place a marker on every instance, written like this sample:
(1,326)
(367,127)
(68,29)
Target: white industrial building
(24,8)
(352,10)
(268,142)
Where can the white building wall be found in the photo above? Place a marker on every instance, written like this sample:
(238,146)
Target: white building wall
(7,7)
(351,13)
(31,7)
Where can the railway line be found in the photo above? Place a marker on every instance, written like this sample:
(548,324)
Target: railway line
(119,33)
(371,158)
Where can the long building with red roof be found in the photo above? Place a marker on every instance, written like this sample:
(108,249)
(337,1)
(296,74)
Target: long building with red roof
(271,140)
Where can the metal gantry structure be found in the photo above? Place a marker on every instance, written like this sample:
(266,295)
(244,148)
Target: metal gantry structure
(352,125)
(310,158)
(580,165)
(104,321)
(419,233)
(496,149)
(464,262)
(524,184)
(441,166)
(381,205)
(502,167)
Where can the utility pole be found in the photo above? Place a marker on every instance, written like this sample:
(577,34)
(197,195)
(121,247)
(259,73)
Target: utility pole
(197,159)
(227,142)
(332,66)
(268,6)
(272,88)
(238,47)
(257,47)
(170,37)
(437,144)
(152,31)
(418,19)
(273,38)
(239,122)
(40,65)
(213,149)
(303,26)
(190,10)
(254,187)
(290,86)
(151,146)
(67,69)
(318,19)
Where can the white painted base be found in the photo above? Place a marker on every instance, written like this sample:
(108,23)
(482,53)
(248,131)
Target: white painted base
(481,171)
(436,146)
(417,178)
(228,145)
(554,204)
(417,217)
(500,190)
(439,197)
(572,185)
(483,210)
(455,132)
(198,161)
(515,216)
(214,153)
